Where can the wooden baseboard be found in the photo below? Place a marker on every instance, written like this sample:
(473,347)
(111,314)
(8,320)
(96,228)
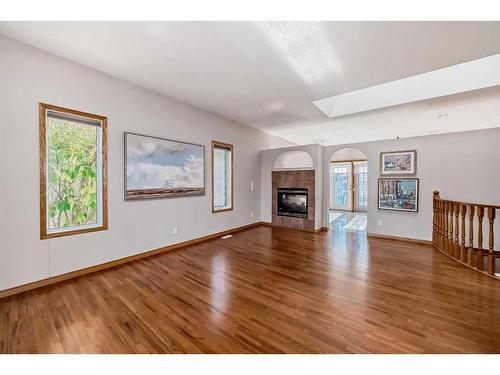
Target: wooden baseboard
(117,262)
(400,239)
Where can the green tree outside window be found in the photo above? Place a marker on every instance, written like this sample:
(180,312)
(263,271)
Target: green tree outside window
(72,173)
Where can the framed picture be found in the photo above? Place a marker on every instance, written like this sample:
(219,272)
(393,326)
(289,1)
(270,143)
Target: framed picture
(162,168)
(398,163)
(398,194)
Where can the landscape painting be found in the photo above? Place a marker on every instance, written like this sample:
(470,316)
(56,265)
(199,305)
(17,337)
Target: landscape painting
(398,163)
(398,194)
(162,168)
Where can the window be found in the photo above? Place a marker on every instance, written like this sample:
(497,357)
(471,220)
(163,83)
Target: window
(73,171)
(222,177)
(361,184)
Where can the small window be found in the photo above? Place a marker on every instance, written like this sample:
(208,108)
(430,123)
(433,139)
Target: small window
(222,177)
(339,169)
(73,170)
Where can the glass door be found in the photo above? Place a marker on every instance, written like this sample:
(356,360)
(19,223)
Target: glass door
(341,186)
(360,185)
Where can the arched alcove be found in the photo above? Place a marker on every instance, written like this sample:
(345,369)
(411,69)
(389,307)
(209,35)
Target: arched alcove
(293,159)
(347,202)
(348,154)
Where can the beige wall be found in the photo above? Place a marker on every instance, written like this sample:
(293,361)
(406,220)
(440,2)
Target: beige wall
(461,166)
(29,76)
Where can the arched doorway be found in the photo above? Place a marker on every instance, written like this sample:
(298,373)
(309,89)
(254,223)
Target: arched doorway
(348,190)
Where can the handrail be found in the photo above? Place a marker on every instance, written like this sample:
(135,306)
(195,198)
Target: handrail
(471,204)
(453,233)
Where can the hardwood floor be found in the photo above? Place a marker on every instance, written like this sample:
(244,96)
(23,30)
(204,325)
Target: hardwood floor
(266,290)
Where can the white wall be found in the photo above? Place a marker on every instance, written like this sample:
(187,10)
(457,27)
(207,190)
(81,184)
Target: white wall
(268,158)
(461,166)
(29,76)
(293,159)
(347,154)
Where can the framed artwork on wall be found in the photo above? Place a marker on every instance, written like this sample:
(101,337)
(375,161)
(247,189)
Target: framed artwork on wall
(398,194)
(398,163)
(162,168)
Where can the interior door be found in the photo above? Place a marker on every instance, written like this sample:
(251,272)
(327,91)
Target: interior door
(360,185)
(341,186)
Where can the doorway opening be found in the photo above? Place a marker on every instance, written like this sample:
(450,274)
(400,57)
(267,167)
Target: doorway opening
(348,194)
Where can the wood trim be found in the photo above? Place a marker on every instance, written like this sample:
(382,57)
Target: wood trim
(117,262)
(347,161)
(465,264)
(446,233)
(42,131)
(467,203)
(230,147)
(400,239)
(353,195)
(42,110)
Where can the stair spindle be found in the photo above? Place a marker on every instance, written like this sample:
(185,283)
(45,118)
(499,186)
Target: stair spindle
(446,230)
(491,256)
(434,219)
(443,228)
(441,223)
(463,250)
(471,236)
(456,244)
(480,255)
(454,237)
(451,245)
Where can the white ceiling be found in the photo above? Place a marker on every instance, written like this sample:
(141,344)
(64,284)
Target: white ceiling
(267,74)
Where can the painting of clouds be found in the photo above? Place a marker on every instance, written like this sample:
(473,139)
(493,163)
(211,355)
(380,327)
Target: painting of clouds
(162,168)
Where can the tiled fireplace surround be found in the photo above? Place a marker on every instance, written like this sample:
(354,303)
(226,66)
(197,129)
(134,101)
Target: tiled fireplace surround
(301,179)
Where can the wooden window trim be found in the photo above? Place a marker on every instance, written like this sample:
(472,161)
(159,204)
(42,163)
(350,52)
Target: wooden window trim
(353,193)
(227,146)
(42,110)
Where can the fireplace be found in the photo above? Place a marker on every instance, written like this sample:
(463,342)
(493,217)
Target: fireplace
(292,202)
(294,199)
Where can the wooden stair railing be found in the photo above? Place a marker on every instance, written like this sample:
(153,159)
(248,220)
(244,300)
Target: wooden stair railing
(453,233)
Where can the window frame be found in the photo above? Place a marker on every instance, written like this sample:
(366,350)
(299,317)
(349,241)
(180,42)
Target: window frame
(43,108)
(230,147)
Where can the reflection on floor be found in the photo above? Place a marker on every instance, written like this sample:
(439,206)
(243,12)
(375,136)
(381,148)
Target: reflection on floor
(348,221)
(348,234)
